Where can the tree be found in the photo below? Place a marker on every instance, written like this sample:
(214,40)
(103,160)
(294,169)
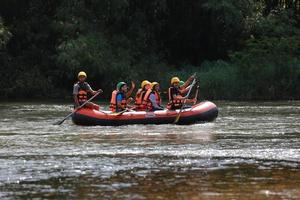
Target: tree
(5,35)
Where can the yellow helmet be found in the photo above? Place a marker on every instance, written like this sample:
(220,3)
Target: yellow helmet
(175,80)
(154,84)
(82,73)
(144,83)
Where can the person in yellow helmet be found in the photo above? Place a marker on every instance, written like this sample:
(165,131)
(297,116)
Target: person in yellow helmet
(81,89)
(145,85)
(152,100)
(176,93)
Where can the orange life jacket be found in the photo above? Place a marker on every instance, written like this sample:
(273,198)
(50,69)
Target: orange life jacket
(147,103)
(146,100)
(82,95)
(174,103)
(157,97)
(113,102)
(139,100)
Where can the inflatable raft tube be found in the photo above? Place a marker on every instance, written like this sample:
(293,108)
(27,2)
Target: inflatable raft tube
(202,112)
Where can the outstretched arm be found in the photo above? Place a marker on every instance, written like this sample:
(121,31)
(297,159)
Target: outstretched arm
(93,92)
(178,97)
(185,90)
(188,82)
(131,90)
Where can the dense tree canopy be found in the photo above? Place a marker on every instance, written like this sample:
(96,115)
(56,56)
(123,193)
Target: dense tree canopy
(246,49)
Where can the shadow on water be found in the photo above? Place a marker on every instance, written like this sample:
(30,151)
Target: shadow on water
(252,151)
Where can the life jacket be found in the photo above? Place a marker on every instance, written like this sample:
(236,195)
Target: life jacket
(157,97)
(174,103)
(139,100)
(82,95)
(147,103)
(113,102)
(146,100)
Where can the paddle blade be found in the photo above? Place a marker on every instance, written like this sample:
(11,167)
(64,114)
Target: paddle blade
(176,119)
(59,122)
(115,114)
(119,113)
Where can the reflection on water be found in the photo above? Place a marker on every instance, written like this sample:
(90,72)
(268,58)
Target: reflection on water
(252,151)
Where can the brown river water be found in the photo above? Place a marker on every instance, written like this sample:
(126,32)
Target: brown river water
(252,151)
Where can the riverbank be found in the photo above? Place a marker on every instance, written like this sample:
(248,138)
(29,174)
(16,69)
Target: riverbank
(105,102)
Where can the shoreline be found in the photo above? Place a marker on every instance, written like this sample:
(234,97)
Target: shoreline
(64,101)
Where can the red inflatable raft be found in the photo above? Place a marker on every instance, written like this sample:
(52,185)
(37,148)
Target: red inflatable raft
(202,112)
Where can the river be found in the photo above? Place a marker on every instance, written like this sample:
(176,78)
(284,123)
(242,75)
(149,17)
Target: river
(252,151)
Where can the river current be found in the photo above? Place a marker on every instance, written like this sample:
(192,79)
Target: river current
(251,151)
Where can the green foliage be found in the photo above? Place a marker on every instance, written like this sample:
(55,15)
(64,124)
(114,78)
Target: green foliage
(228,21)
(240,49)
(218,80)
(4,34)
(271,67)
(268,66)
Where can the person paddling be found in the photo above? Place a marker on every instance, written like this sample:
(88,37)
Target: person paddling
(119,101)
(81,89)
(176,93)
(181,83)
(145,85)
(152,100)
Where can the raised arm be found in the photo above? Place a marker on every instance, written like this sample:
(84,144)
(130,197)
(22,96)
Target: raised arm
(131,90)
(188,82)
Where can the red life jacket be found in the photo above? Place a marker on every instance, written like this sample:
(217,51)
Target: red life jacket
(139,100)
(113,102)
(174,103)
(82,95)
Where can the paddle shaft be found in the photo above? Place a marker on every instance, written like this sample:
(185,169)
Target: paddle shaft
(184,102)
(123,111)
(120,113)
(196,96)
(62,121)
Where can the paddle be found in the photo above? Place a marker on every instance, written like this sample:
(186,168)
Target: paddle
(119,113)
(102,112)
(62,121)
(123,111)
(197,93)
(187,96)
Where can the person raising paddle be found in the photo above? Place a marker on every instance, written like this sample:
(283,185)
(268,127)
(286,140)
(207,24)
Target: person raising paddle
(81,90)
(176,93)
